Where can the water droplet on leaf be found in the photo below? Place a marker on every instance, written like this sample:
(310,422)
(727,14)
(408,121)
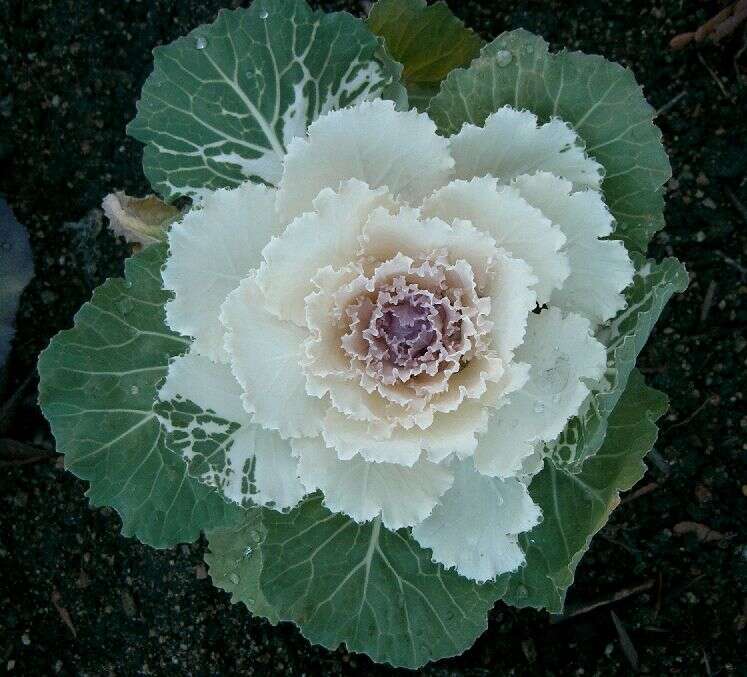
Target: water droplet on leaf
(201,43)
(263,14)
(134,390)
(503,58)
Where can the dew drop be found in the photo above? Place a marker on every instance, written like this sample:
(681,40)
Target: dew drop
(200,43)
(248,551)
(134,390)
(263,14)
(539,407)
(234,578)
(503,58)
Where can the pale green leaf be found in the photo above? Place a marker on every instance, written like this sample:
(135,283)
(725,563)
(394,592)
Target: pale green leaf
(576,505)
(234,560)
(600,99)
(224,101)
(428,40)
(374,590)
(97,387)
(624,336)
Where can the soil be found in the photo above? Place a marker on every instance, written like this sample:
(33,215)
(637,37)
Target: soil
(77,598)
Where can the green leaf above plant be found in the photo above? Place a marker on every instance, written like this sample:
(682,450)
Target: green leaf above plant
(428,40)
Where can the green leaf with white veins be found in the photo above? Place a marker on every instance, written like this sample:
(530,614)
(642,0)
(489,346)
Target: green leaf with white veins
(234,560)
(224,102)
(576,505)
(375,590)
(625,335)
(598,98)
(97,387)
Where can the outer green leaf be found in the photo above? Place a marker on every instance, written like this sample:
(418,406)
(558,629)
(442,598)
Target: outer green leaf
(625,336)
(203,441)
(97,386)
(235,562)
(223,102)
(428,40)
(600,99)
(375,590)
(577,505)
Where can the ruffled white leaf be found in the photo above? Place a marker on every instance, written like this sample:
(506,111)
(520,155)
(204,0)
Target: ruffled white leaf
(563,356)
(373,440)
(327,236)
(265,354)
(402,495)
(522,230)
(248,462)
(600,269)
(512,298)
(210,386)
(372,142)
(449,434)
(474,528)
(406,232)
(511,143)
(210,251)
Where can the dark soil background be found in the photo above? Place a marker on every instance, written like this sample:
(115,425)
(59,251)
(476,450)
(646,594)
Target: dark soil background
(77,598)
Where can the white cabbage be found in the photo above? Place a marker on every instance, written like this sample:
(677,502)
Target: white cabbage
(403,323)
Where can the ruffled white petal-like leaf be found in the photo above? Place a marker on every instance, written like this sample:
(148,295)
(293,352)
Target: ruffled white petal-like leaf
(522,230)
(224,447)
(600,269)
(373,440)
(327,236)
(512,298)
(265,354)
(372,142)
(562,355)
(474,528)
(450,434)
(402,495)
(210,251)
(406,232)
(511,143)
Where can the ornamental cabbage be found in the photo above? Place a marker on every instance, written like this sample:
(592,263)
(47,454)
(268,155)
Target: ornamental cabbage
(424,309)
(386,360)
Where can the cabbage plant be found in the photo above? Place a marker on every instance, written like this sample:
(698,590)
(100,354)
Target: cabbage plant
(386,362)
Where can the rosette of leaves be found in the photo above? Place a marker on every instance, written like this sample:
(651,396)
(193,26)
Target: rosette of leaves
(220,109)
